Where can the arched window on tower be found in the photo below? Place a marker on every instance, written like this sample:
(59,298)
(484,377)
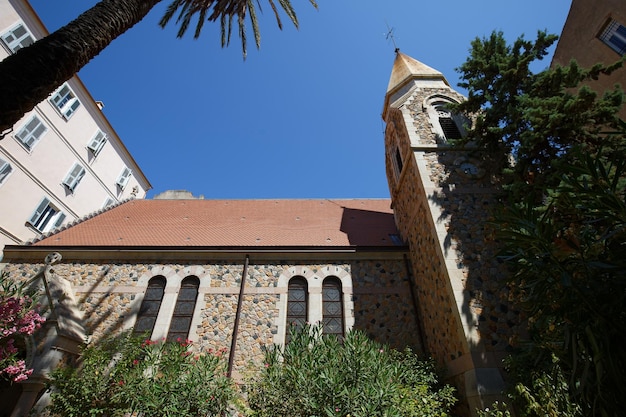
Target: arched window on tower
(297,304)
(332,307)
(150,306)
(447,123)
(183,311)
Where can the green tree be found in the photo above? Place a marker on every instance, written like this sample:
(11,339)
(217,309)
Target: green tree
(533,119)
(562,223)
(30,75)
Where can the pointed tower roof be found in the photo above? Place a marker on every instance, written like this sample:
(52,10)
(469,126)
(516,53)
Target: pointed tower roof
(406,68)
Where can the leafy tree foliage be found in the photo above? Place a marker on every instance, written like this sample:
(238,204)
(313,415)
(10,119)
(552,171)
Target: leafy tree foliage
(315,375)
(562,222)
(532,120)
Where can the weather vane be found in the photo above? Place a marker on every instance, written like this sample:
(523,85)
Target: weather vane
(390,35)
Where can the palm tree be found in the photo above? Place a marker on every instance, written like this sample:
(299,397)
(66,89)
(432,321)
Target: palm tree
(33,73)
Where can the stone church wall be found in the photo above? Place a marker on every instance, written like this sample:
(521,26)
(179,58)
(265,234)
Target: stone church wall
(110,293)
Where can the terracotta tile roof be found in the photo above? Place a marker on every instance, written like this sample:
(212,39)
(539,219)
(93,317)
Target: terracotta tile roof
(234,223)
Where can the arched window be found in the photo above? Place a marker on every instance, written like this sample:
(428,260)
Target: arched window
(146,318)
(332,306)
(297,301)
(447,123)
(183,311)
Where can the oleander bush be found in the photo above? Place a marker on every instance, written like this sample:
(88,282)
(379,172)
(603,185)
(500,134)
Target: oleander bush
(127,375)
(315,375)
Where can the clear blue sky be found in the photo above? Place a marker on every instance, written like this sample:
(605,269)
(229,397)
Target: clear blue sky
(300,118)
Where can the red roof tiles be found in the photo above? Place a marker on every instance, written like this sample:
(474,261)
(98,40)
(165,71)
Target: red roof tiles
(234,223)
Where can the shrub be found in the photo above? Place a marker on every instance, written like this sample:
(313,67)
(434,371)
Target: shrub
(325,376)
(131,376)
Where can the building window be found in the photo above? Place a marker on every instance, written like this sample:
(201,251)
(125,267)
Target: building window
(150,306)
(297,304)
(46,217)
(122,180)
(17,38)
(96,143)
(332,307)
(31,133)
(74,176)
(448,125)
(65,101)
(5,170)
(108,202)
(397,162)
(614,35)
(183,311)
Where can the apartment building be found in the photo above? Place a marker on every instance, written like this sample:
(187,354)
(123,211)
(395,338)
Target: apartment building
(62,160)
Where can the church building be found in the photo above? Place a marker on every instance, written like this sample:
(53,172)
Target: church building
(417,270)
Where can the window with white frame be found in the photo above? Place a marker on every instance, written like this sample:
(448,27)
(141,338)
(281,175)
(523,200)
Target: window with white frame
(614,35)
(47,216)
(108,202)
(17,38)
(97,142)
(65,101)
(31,132)
(5,170)
(74,176)
(124,177)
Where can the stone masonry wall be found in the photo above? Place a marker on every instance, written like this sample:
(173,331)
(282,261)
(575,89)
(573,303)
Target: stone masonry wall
(444,216)
(109,294)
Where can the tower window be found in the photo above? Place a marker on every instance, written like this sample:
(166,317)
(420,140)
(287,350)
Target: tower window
(297,304)
(398,162)
(447,123)
(183,311)
(332,307)
(614,35)
(150,306)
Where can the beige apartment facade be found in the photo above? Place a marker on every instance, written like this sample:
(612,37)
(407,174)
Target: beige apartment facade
(63,160)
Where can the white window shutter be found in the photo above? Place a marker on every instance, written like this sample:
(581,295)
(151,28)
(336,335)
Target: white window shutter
(39,211)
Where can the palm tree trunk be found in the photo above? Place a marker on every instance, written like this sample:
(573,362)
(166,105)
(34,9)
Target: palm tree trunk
(33,73)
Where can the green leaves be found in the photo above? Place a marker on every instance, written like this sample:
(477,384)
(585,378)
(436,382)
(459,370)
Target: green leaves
(317,375)
(126,375)
(226,11)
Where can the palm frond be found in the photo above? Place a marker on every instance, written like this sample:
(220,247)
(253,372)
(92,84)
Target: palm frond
(225,11)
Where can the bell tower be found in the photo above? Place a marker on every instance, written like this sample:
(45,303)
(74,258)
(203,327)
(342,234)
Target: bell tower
(441,195)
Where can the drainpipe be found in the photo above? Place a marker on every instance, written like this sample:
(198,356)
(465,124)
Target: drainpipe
(233,344)
(418,316)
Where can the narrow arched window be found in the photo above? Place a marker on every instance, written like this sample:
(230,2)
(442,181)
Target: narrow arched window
(297,304)
(183,311)
(447,123)
(146,318)
(332,306)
